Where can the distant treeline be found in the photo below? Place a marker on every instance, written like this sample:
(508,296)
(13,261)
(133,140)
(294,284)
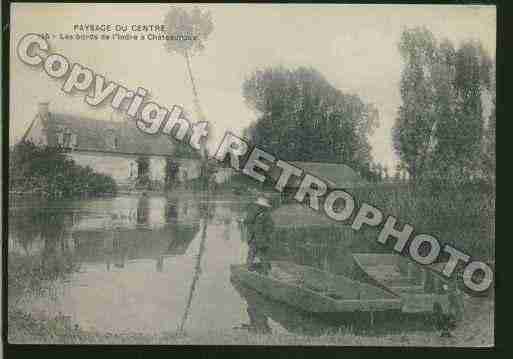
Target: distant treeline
(48,171)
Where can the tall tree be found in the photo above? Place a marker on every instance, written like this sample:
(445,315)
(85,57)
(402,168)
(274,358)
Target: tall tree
(443,74)
(489,154)
(188,31)
(439,130)
(412,131)
(303,117)
(472,78)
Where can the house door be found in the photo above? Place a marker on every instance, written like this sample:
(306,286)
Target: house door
(172,170)
(143,167)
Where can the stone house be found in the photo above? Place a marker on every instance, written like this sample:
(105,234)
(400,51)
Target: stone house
(114,148)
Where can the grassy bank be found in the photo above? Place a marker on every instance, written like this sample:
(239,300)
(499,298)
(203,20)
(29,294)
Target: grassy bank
(463,217)
(475,330)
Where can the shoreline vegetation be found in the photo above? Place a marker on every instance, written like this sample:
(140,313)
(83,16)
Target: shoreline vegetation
(476,330)
(49,172)
(462,216)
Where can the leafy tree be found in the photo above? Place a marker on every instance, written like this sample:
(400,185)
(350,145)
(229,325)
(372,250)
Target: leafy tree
(49,171)
(196,25)
(439,130)
(461,127)
(303,117)
(183,150)
(412,132)
(489,154)
(188,31)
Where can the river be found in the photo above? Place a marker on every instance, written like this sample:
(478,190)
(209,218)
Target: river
(127,264)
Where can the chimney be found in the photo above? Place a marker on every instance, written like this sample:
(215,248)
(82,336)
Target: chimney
(43,109)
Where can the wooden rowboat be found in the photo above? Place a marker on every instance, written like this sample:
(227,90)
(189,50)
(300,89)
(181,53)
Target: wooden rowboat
(291,319)
(422,289)
(316,291)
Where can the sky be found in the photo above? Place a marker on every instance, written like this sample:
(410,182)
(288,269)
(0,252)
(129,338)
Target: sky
(353,46)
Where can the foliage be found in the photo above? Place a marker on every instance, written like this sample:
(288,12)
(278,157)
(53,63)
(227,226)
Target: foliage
(489,153)
(183,150)
(209,168)
(49,171)
(196,25)
(463,216)
(206,179)
(143,182)
(303,117)
(180,22)
(439,129)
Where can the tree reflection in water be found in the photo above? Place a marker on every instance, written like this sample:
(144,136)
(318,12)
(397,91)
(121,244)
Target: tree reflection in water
(206,214)
(40,249)
(143,210)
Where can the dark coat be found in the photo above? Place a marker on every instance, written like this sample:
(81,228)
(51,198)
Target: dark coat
(260,228)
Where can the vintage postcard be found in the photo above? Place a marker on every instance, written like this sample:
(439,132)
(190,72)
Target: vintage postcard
(251,174)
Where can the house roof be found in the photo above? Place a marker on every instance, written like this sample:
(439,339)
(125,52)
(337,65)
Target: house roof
(92,135)
(338,175)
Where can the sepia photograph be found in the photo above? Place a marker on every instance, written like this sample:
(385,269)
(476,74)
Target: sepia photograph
(250,174)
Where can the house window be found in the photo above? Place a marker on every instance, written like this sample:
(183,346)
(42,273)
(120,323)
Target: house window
(60,138)
(132,171)
(67,138)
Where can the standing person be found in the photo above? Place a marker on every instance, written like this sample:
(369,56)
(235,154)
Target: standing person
(185,178)
(260,227)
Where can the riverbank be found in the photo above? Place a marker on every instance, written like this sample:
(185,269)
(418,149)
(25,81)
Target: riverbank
(476,330)
(42,250)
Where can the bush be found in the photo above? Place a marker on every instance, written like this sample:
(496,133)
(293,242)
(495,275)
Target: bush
(50,172)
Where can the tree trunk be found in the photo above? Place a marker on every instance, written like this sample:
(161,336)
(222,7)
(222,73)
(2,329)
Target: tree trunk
(199,113)
(197,106)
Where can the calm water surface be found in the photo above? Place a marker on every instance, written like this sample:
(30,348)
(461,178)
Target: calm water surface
(127,264)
